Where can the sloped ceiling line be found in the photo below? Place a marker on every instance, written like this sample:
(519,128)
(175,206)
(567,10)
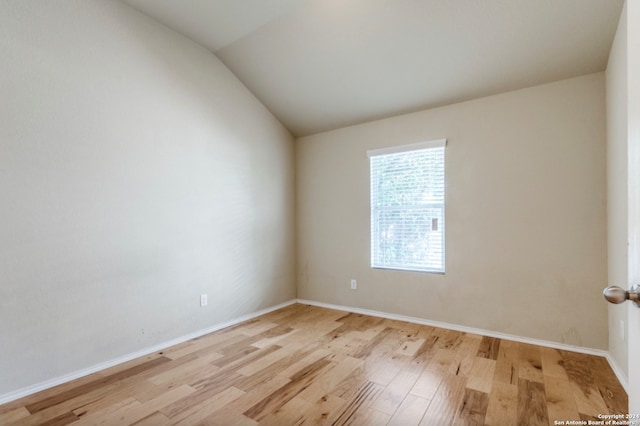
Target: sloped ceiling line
(324,64)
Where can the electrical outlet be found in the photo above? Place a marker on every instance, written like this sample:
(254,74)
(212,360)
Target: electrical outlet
(204,300)
(354,285)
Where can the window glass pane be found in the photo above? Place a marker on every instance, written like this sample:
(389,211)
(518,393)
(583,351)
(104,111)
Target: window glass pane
(407,210)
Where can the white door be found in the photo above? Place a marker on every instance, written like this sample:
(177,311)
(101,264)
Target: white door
(633,76)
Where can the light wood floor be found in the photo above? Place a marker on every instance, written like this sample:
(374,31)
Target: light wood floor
(309,365)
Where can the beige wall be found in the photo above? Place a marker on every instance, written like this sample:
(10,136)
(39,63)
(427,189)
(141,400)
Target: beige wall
(136,172)
(617,189)
(526,215)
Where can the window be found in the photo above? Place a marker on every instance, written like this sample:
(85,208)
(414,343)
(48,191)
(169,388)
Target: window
(407,207)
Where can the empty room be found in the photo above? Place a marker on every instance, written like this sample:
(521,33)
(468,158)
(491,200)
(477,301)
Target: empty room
(333,212)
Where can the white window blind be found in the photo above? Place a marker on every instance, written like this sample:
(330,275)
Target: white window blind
(407,207)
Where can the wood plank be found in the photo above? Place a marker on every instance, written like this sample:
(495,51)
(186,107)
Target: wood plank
(323,411)
(90,379)
(200,396)
(241,360)
(106,414)
(234,344)
(585,391)
(410,411)
(97,383)
(314,315)
(428,383)
(198,364)
(314,356)
(197,412)
(474,408)
(530,363)
(489,348)
(112,392)
(192,346)
(432,342)
(587,418)
(327,382)
(442,360)
(350,385)
(446,401)
(611,390)
(225,343)
(154,419)
(532,404)
(281,316)
(481,375)
(291,413)
(313,335)
(217,381)
(236,420)
(503,404)
(381,370)
(358,405)
(561,405)
(369,417)
(117,394)
(129,415)
(264,362)
(392,396)
(14,415)
(277,399)
(347,344)
(258,327)
(452,339)
(273,336)
(146,391)
(465,355)
(247,383)
(507,363)
(231,413)
(375,344)
(410,347)
(553,364)
(62,419)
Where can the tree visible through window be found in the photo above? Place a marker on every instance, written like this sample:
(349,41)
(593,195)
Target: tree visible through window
(407,207)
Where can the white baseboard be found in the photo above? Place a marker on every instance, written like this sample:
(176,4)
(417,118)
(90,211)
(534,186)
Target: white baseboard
(38,387)
(546,343)
(622,378)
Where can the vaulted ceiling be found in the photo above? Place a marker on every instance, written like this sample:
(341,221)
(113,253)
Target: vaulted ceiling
(324,64)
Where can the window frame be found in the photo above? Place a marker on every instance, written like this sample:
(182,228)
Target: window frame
(374,210)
